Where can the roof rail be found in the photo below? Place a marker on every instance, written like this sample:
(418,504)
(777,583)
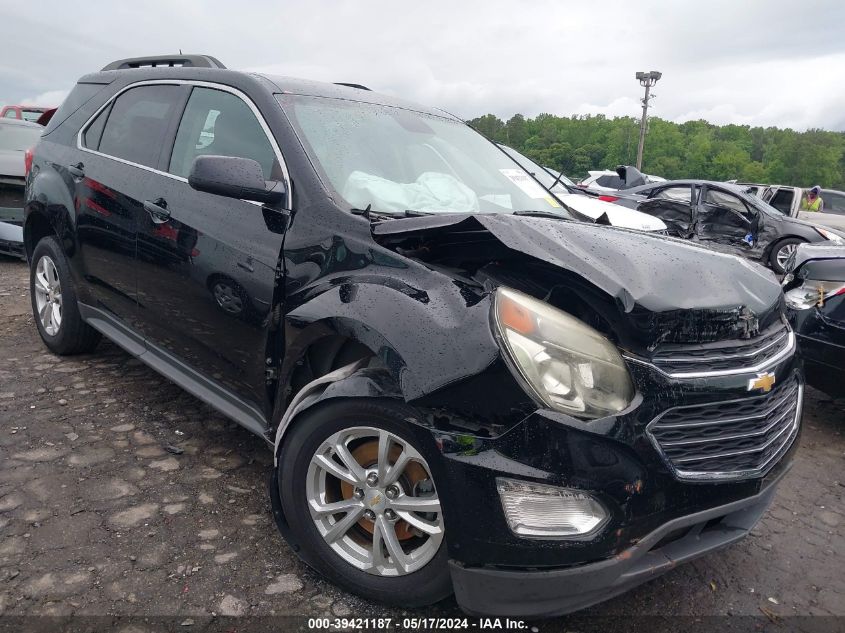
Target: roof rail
(348,85)
(167,61)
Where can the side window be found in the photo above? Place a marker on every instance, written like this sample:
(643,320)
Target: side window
(722,199)
(10,114)
(676,194)
(94,132)
(834,202)
(782,201)
(136,128)
(219,123)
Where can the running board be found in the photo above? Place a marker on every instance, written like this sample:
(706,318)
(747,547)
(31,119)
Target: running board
(176,371)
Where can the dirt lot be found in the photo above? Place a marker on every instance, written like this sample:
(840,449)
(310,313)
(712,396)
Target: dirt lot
(120,494)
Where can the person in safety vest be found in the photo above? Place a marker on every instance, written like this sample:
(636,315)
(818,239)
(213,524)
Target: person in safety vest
(813,200)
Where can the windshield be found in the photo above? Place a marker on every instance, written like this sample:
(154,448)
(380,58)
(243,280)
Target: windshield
(545,175)
(393,160)
(18,138)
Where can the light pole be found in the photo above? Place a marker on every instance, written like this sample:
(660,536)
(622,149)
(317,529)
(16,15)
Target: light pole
(647,80)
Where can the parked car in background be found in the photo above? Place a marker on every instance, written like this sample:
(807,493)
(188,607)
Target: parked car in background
(787,200)
(584,206)
(25,113)
(464,389)
(16,138)
(607,180)
(754,188)
(815,296)
(726,217)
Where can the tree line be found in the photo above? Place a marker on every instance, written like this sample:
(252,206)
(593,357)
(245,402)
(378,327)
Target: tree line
(694,149)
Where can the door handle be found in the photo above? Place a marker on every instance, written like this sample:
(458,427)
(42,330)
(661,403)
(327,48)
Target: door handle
(77,171)
(158,210)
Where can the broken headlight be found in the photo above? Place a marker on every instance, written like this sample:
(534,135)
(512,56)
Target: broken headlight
(813,293)
(566,365)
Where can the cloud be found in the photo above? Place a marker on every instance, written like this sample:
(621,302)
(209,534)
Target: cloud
(49,98)
(723,60)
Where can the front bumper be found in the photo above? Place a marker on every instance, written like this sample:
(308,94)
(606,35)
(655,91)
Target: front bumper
(549,592)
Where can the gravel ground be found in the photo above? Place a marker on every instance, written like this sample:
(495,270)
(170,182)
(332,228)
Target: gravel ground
(122,495)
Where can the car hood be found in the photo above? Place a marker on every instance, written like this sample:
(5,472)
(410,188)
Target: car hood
(827,262)
(616,215)
(650,277)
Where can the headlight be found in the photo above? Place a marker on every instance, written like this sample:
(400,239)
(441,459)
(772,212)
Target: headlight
(540,510)
(813,293)
(830,235)
(566,364)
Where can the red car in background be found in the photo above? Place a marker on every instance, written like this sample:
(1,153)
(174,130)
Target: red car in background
(27,113)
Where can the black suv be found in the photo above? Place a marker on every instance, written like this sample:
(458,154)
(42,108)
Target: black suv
(464,389)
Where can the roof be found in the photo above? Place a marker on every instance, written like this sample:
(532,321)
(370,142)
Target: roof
(275,83)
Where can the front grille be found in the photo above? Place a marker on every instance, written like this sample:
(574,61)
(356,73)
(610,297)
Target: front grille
(680,360)
(732,439)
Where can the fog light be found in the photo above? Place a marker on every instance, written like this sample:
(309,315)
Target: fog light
(540,510)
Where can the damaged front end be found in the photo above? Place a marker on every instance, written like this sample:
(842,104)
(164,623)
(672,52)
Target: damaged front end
(609,369)
(815,297)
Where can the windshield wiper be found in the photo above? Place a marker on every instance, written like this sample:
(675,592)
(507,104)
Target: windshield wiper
(541,214)
(375,216)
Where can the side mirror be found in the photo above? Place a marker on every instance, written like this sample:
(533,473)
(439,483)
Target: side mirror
(234,177)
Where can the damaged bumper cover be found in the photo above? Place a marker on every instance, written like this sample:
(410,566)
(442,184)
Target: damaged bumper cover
(506,592)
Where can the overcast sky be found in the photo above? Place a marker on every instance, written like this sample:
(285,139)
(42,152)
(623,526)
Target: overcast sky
(771,62)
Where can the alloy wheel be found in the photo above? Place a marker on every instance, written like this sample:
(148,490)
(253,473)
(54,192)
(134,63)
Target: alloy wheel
(372,499)
(48,295)
(228,299)
(784,254)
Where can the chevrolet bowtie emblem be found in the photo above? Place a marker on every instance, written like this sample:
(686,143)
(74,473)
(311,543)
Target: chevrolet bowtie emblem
(764,382)
(377,499)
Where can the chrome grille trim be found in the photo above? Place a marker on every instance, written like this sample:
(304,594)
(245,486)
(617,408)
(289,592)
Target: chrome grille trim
(781,356)
(790,397)
(697,359)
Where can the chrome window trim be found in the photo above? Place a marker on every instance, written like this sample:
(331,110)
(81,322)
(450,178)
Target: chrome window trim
(760,471)
(774,360)
(202,84)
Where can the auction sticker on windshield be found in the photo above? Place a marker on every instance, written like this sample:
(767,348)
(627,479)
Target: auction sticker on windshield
(528,185)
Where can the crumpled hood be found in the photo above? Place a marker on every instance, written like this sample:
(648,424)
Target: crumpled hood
(655,273)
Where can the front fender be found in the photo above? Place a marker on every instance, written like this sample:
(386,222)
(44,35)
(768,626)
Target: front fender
(426,339)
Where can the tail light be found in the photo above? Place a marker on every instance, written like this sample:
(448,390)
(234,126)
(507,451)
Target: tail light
(27,160)
(608,198)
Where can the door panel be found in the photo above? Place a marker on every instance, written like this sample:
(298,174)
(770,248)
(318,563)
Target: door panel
(111,174)
(723,218)
(207,267)
(105,227)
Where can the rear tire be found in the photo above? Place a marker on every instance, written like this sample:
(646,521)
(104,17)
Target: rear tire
(416,574)
(781,252)
(54,303)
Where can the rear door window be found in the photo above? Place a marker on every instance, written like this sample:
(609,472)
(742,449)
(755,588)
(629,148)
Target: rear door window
(678,194)
(220,123)
(137,125)
(782,200)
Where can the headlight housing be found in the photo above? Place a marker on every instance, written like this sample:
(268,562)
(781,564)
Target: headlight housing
(812,293)
(564,363)
(830,235)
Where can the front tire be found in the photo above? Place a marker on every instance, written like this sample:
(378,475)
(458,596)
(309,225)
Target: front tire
(781,252)
(360,505)
(54,303)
